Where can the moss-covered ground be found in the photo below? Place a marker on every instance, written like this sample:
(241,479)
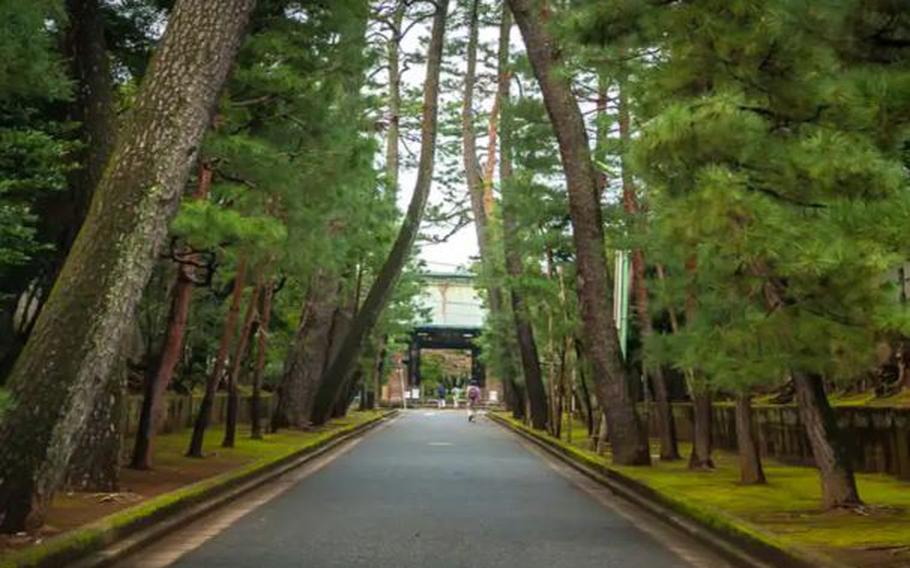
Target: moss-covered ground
(787,509)
(83,518)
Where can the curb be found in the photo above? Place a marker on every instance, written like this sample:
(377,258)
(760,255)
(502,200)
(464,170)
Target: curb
(735,543)
(102,543)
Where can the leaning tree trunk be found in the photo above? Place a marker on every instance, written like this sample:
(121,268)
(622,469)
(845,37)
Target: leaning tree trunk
(204,414)
(343,365)
(95,466)
(306,358)
(261,352)
(627,433)
(341,325)
(750,469)
(172,348)
(828,446)
(67,363)
(233,403)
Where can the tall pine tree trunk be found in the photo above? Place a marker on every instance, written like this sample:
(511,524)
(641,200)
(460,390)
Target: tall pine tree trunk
(228,332)
(481,196)
(527,345)
(261,352)
(750,469)
(702,408)
(828,447)
(393,133)
(240,353)
(67,363)
(665,431)
(172,348)
(307,356)
(343,365)
(627,433)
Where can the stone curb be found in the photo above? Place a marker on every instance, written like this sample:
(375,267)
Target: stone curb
(729,540)
(108,544)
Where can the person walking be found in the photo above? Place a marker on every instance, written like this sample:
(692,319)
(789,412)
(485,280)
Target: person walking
(456,394)
(473,400)
(441,393)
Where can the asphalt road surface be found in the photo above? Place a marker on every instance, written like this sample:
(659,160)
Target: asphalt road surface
(432,490)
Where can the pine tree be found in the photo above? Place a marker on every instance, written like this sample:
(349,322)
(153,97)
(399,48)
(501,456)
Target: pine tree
(70,355)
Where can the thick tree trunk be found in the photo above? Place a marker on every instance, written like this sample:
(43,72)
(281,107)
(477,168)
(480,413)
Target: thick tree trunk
(68,360)
(306,358)
(341,326)
(261,352)
(342,366)
(240,355)
(95,466)
(700,458)
(627,433)
(828,447)
(172,348)
(750,469)
(228,332)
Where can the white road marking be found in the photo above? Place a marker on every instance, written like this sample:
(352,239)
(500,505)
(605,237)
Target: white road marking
(440,444)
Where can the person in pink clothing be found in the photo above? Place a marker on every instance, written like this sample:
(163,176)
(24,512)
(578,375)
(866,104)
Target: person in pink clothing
(473,400)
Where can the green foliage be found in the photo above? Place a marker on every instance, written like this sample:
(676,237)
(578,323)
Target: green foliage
(777,186)
(29,68)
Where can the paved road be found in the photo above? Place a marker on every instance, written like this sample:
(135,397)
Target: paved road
(430,489)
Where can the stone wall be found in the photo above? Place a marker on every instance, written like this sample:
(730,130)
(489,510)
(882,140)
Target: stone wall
(879,438)
(182,410)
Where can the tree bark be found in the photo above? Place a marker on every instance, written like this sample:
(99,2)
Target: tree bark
(261,352)
(750,469)
(95,466)
(344,314)
(172,348)
(828,447)
(627,434)
(305,364)
(228,332)
(524,332)
(68,360)
(240,355)
(342,366)
(700,458)
(480,191)
(393,133)
(669,450)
